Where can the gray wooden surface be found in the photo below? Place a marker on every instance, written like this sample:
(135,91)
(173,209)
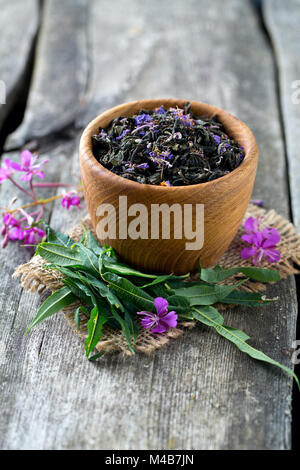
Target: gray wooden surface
(199,392)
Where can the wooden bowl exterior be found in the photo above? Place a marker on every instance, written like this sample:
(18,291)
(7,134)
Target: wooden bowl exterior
(225,199)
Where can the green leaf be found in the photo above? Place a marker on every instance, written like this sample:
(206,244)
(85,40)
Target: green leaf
(208,315)
(96,356)
(95,327)
(58,254)
(80,290)
(158,280)
(77,315)
(179,303)
(53,236)
(124,270)
(128,291)
(88,258)
(249,299)
(126,328)
(239,338)
(219,274)
(160,290)
(104,291)
(53,304)
(93,244)
(204,294)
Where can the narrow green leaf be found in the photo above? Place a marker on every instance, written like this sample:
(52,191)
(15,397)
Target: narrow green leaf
(160,290)
(128,291)
(53,304)
(250,299)
(103,289)
(77,315)
(93,244)
(96,356)
(125,328)
(208,315)
(219,274)
(80,290)
(53,236)
(239,339)
(95,326)
(58,254)
(158,280)
(203,294)
(124,270)
(88,258)
(179,303)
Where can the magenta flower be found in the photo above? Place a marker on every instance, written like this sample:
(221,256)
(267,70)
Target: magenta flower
(70,199)
(263,242)
(29,166)
(160,321)
(11,229)
(33,235)
(6,169)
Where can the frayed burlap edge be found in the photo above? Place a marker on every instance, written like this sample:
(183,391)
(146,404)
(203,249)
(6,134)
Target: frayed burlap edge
(36,278)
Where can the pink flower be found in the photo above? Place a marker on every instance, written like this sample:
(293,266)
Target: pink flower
(262,242)
(11,229)
(6,169)
(69,199)
(33,235)
(29,166)
(162,320)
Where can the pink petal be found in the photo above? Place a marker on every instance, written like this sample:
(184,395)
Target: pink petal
(170,320)
(271,236)
(248,238)
(258,256)
(251,225)
(159,329)
(16,166)
(161,306)
(39,174)
(27,176)
(258,239)
(248,252)
(145,313)
(272,255)
(27,158)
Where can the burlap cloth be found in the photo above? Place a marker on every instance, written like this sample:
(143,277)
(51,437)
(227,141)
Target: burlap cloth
(36,278)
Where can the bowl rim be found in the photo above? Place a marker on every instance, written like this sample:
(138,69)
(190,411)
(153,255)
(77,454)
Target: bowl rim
(85,145)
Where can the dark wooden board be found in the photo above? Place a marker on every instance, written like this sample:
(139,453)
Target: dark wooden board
(60,73)
(19,22)
(199,392)
(282,21)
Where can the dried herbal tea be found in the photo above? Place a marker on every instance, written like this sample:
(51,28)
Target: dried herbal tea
(167,147)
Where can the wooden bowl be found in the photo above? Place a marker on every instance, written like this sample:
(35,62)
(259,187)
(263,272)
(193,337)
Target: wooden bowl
(225,199)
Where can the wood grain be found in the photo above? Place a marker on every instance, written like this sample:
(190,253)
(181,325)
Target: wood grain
(199,392)
(283,22)
(60,73)
(19,22)
(225,200)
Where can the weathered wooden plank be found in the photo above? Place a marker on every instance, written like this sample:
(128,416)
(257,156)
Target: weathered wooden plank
(282,21)
(18,25)
(199,392)
(60,72)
